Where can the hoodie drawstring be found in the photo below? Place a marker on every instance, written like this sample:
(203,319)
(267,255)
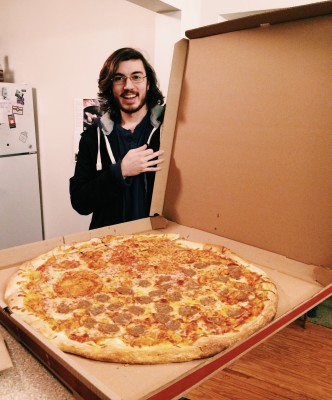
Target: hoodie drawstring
(109,150)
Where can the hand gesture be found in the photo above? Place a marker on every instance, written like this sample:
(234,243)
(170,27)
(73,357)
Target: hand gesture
(141,160)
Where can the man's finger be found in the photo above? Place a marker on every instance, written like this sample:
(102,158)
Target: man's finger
(155,154)
(153,163)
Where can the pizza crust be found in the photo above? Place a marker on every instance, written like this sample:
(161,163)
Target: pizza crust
(117,348)
(202,348)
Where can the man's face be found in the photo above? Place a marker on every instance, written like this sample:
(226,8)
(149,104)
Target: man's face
(130,95)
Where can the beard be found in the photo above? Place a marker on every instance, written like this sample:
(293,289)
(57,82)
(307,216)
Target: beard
(131,109)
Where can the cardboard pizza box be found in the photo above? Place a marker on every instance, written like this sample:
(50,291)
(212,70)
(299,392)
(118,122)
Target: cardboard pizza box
(247,130)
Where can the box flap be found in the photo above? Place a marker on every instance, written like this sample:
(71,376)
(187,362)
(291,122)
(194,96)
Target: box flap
(256,20)
(18,254)
(252,156)
(167,138)
(127,228)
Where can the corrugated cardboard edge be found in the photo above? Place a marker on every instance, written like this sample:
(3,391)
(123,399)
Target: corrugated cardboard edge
(168,130)
(271,17)
(5,360)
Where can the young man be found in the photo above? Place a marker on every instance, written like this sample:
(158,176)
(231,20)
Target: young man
(119,156)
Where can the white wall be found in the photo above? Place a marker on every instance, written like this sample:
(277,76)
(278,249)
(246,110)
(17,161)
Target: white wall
(59,47)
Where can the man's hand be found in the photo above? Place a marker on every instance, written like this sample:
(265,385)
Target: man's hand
(141,160)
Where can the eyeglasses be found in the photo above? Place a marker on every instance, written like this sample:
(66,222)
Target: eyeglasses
(122,79)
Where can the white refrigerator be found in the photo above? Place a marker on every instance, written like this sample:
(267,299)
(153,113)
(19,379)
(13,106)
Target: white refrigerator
(20,199)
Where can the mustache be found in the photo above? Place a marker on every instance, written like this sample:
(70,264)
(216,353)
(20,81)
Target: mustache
(125,92)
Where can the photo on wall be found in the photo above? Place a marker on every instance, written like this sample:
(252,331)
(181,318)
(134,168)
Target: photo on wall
(87,113)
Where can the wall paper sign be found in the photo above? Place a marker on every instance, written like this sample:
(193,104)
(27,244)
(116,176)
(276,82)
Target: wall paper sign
(17,110)
(91,112)
(87,112)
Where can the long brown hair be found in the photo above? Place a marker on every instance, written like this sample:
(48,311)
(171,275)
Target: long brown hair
(105,95)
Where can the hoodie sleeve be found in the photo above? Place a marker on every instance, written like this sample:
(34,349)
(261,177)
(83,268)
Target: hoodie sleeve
(91,189)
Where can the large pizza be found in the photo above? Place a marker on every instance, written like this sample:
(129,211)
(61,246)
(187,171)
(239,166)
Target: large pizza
(142,299)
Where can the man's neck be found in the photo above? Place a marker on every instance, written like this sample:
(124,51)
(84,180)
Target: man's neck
(130,121)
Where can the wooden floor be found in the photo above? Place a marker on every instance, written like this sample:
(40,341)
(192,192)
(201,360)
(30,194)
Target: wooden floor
(295,363)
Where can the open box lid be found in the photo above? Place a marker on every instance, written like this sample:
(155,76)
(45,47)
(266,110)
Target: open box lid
(249,106)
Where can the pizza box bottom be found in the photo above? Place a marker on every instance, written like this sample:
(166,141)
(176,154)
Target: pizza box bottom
(300,288)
